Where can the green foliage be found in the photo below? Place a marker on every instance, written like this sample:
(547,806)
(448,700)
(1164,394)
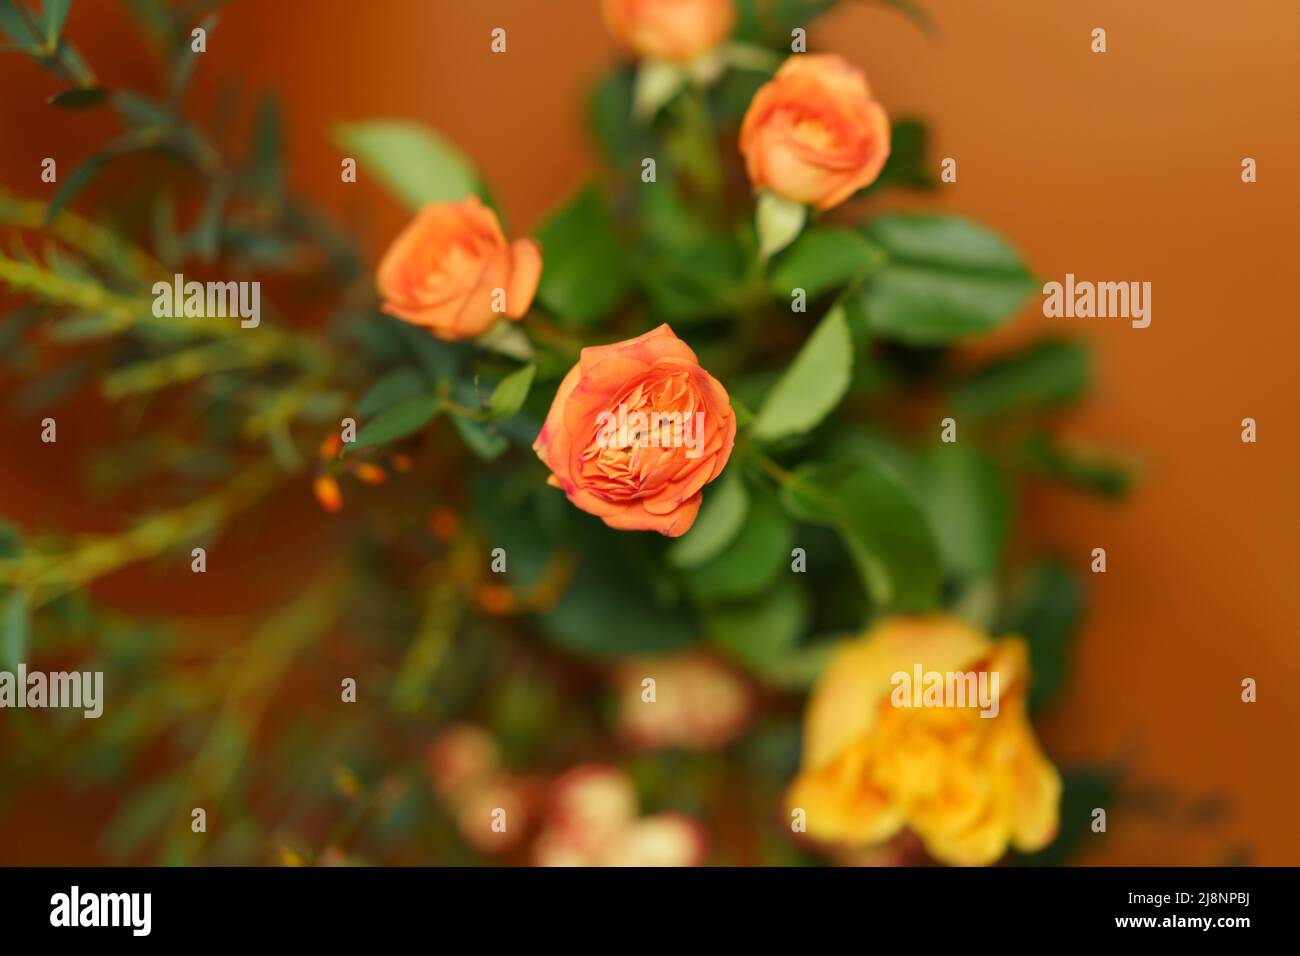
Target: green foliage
(723,513)
(400,420)
(753,559)
(510,393)
(586,272)
(882,524)
(813,384)
(1084,469)
(945,278)
(1047,374)
(969,504)
(823,259)
(1046,610)
(413,162)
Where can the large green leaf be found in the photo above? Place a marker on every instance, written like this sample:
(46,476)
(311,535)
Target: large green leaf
(882,524)
(751,562)
(969,506)
(946,277)
(763,635)
(585,273)
(416,164)
(820,260)
(813,384)
(1049,373)
(726,502)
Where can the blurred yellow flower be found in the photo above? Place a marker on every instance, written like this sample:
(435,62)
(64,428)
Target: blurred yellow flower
(873,763)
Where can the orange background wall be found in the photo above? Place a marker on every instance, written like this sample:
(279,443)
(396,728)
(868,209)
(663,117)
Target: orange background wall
(1123,166)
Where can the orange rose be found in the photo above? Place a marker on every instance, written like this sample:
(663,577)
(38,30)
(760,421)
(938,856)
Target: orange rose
(813,134)
(452,271)
(676,30)
(637,428)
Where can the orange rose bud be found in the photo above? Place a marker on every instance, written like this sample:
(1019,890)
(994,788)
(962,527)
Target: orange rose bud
(675,30)
(328,494)
(813,134)
(452,271)
(636,429)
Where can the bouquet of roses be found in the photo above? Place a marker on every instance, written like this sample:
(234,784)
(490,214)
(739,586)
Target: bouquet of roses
(678,530)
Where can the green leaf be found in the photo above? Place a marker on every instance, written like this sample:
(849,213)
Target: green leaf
(416,164)
(908,164)
(1046,610)
(1050,373)
(54,13)
(763,634)
(14,23)
(754,558)
(79,98)
(607,612)
(487,445)
(969,506)
(778,222)
(823,259)
(585,274)
(882,525)
(13,629)
(398,385)
(80,177)
(625,141)
(1080,468)
(509,395)
(399,421)
(946,277)
(726,502)
(813,384)
(694,279)
(770,21)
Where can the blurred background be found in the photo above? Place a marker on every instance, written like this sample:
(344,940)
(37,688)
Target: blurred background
(1122,166)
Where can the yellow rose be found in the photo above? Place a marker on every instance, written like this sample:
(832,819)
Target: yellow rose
(967,785)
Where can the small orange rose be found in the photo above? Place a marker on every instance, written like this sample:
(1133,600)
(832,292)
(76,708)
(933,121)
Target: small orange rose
(452,271)
(675,30)
(637,428)
(813,134)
